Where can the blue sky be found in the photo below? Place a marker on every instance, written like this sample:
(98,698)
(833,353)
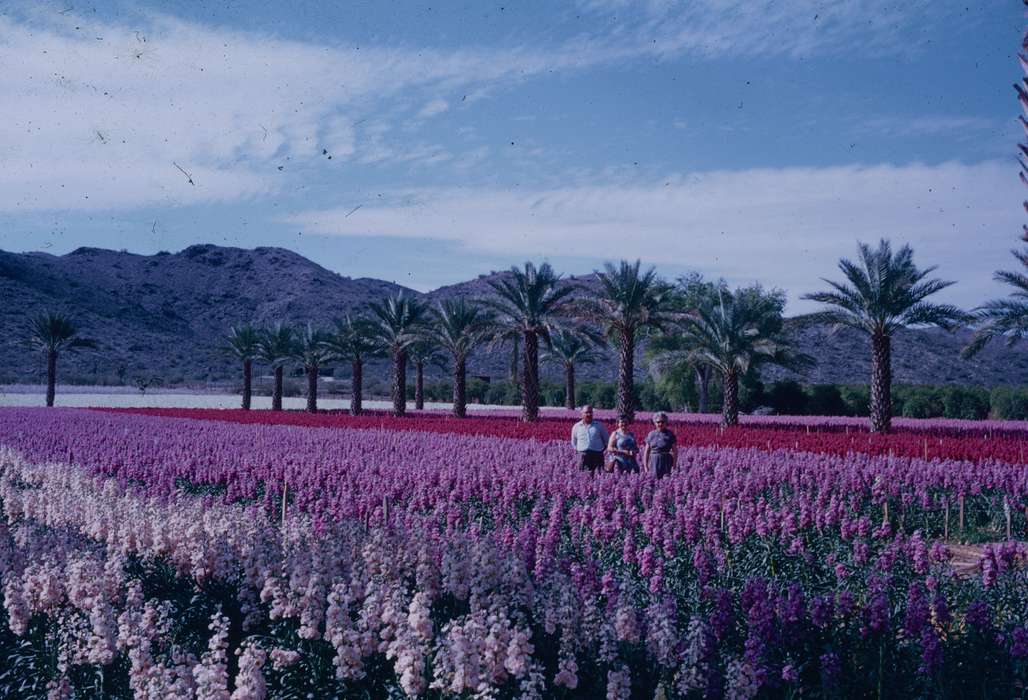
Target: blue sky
(427,143)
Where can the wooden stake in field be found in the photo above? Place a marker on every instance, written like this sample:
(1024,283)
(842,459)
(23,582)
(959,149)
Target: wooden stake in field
(945,519)
(1006,514)
(285,498)
(961,517)
(385,508)
(926,449)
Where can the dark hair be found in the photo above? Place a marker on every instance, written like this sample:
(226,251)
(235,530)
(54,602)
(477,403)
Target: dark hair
(624,417)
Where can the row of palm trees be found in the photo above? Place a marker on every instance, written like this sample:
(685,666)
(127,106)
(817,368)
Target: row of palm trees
(703,325)
(402,328)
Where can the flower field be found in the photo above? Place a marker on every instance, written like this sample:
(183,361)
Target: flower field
(217,554)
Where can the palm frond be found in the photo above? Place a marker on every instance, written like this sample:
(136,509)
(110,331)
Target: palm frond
(52,331)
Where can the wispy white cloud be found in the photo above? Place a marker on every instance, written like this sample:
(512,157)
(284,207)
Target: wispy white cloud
(928,125)
(90,106)
(434,107)
(777,28)
(105,111)
(780,226)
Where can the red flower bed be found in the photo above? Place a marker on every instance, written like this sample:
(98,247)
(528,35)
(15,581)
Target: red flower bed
(907,443)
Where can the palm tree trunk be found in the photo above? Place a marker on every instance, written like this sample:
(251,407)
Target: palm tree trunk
(399,381)
(703,387)
(419,384)
(276,392)
(312,389)
(247,383)
(569,385)
(51,376)
(881,383)
(514,363)
(530,380)
(460,401)
(357,388)
(626,376)
(730,408)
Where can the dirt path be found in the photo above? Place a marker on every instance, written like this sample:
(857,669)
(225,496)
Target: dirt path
(965,558)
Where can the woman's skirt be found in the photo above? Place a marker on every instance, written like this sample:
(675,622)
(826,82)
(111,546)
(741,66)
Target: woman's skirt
(660,464)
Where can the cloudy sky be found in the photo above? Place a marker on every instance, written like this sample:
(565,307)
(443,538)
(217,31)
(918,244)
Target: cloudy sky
(427,143)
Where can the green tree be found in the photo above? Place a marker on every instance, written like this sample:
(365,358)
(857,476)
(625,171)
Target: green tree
(459,326)
(742,331)
(400,321)
(630,302)
(355,340)
(691,293)
(570,348)
(275,348)
(310,349)
(883,293)
(53,333)
(826,400)
(530,301)
(243,342)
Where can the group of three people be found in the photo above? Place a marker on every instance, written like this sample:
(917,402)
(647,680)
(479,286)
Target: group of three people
(590,439)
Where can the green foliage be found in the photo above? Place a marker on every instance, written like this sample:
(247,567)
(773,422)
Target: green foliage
(676,391)
(827,400)
(676,388)
(969,403)
(857,398)
(1009,403)
(788,398)
(751,393)
(597,394)
(919,401)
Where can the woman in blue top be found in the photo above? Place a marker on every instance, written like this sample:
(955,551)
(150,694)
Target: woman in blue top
(623,447)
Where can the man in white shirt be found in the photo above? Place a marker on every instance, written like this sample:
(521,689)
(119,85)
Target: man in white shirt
(589,438)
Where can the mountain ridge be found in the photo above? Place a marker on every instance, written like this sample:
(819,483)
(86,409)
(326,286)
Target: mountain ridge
(164,315)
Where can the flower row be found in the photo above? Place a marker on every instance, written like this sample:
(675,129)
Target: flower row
(1006,442)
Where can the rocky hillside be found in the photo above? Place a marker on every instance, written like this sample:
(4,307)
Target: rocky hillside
(163,315)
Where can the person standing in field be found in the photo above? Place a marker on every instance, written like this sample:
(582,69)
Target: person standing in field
(660,453)
(623,447)
(589,438)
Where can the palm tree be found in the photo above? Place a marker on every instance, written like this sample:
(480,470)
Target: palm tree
(743,330)
(693,291)
(458,328)
(882,293)
(421,352)
(244,343)
(276,348)
(310,350)
(53,333)
(498,339)
(570,348)
(399,321)
(530,302)
(355,340)
(1008,318)
(630,302)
